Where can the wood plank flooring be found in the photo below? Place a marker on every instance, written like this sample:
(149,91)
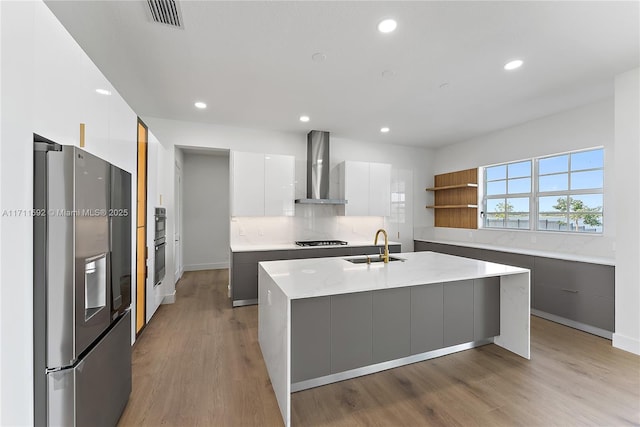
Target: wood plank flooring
(198,363)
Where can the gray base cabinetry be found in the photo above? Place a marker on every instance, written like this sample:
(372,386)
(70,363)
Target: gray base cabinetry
(427,318)
(311,338)
(243,272)
(338,333)
(458,312)
(351,332)
(391,324)
(577,294)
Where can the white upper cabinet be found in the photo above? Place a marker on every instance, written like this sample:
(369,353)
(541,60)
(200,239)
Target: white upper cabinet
(262,184)
(366,187)
(379,189)
(247,184)
(279,189)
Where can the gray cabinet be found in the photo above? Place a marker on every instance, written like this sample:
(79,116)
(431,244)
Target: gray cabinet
(391,324)
(576,291)
(486,308)
(458,312)
(427,314)
(310,338)
(243,272)
(351,331)
(342,332)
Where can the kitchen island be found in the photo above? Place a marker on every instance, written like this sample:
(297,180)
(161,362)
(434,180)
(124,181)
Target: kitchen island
(327,319)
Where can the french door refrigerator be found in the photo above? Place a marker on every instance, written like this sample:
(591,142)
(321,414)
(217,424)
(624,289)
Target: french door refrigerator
(82,287)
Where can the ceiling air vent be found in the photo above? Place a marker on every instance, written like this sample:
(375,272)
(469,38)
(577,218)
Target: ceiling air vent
(165,12)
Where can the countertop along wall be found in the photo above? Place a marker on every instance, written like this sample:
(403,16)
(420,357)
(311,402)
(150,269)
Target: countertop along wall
(309,221)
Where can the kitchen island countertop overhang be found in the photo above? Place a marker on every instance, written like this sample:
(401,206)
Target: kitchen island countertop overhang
(284,283)
(315,277)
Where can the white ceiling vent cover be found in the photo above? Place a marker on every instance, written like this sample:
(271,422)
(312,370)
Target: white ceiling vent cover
(165,12)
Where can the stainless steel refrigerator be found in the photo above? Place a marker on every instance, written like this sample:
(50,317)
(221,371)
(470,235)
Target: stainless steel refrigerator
(82,287)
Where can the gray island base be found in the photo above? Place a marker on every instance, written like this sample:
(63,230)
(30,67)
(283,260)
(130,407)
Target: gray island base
(325,320)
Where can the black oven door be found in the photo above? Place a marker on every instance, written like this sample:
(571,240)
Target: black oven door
(160,245)
(161,222)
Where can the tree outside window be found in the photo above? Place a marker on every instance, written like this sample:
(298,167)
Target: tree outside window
(579,211)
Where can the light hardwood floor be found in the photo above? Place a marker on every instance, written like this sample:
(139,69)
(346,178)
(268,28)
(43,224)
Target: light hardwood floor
(198,363)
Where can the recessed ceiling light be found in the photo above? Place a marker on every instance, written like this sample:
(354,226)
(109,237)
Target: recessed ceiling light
(387,26)
(304,118)
(387,74)
(200,105)
(512,65)
(318,57)
(384,129)
(103,92)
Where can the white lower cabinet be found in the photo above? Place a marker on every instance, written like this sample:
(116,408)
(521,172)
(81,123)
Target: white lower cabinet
(366,187)
(262,184)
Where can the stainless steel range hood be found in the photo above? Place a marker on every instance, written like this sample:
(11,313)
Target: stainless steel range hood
(318,170)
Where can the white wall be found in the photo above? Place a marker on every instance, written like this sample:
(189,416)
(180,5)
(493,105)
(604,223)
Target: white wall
(311,221)
(205,211)
(588,126)
(16,183)
(627,182)
(47,86)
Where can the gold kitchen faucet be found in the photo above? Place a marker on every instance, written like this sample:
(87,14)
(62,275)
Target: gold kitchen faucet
(385,256)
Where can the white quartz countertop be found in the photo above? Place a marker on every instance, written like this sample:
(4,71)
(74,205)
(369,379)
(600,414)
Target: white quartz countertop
(293,246)
(557,255)
(304,278)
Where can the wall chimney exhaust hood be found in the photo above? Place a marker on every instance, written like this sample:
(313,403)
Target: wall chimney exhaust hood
(318,170)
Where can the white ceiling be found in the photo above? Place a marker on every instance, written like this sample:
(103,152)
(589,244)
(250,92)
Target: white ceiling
(251,62)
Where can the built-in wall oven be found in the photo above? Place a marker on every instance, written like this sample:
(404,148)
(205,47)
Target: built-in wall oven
(160,244)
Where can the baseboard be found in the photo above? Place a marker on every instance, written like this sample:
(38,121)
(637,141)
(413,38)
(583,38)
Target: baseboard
(625,343)
(207,266)
(573,324)
(169,299)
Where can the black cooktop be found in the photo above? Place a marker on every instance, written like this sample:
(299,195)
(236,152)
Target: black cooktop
(320,242)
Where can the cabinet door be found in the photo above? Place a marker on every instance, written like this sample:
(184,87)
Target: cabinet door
(458,312)
(427,318)
(247,184)
(356,188)
(279,190)
(486,307)
(351,331)
(379,189)
(391,324)
(310,338)
(245,282)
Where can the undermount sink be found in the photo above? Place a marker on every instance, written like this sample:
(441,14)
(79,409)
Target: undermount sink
(371,259)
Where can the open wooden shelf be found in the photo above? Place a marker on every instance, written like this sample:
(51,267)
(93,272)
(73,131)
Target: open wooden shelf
(451,206)
(456,199)
(449,187)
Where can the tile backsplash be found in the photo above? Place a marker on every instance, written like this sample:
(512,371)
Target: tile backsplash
(311,222)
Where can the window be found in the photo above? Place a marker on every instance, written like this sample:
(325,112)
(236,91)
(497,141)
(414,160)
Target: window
(507,194)
(555,193)
(570,192)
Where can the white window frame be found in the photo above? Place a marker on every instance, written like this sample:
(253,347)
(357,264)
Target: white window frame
(535,194)
(507,195)
(569,192)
